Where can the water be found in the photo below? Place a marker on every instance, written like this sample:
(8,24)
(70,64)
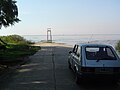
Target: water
(111,39)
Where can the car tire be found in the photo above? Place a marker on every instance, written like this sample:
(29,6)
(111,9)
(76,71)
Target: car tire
(77,79)
(115,81)
(70,66)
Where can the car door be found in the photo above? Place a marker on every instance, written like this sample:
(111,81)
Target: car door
(73,56)
(77,59)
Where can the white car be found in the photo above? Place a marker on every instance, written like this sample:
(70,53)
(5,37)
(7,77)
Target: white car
(94,61)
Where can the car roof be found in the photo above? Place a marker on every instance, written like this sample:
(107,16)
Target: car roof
(89,44)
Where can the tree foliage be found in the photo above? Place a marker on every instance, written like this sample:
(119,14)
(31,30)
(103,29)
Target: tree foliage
(8,13)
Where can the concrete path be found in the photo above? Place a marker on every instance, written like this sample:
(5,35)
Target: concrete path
(48,70)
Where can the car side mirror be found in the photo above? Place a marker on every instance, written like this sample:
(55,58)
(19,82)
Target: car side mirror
(70,52)
(78,55)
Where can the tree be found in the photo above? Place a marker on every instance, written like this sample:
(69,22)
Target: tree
(8,13)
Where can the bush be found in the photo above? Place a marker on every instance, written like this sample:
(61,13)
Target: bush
(118,46)
(15,39)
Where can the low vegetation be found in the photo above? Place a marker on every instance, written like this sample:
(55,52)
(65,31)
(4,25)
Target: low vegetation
(118,46)
(15,39)
(14,48)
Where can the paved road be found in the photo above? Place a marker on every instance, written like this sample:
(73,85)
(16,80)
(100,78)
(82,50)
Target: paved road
(48,70)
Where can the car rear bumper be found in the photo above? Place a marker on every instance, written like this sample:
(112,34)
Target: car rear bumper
(99,76)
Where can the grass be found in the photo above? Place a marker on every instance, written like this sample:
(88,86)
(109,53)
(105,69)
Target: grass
(13,53)
(118,46)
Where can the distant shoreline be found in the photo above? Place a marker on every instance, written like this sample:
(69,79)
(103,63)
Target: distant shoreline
(66,34)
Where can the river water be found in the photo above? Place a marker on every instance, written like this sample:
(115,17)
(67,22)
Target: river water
(111,39)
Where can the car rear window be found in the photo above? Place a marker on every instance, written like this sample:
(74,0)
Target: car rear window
(99,53)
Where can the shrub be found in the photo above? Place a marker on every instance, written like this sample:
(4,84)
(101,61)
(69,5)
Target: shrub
(15,39)
(118,46)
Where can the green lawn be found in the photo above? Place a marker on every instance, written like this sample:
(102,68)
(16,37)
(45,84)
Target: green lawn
(13,53)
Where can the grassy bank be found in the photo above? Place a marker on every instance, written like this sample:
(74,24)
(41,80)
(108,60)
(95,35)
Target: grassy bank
(118,46)
(16,51)
(14,48)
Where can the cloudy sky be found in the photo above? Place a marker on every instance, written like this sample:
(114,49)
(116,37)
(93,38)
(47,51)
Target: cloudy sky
(66,17)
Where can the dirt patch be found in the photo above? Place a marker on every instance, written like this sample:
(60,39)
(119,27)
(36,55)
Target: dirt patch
(51,44)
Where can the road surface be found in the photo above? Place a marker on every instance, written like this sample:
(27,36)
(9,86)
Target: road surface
(48,70)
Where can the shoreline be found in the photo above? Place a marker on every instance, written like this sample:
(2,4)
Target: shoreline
(42,44)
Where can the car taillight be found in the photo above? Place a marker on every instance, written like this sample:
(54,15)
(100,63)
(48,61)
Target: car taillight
(87,69)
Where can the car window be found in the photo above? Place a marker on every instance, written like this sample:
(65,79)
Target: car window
(100,53)
(78,51)
(109,52)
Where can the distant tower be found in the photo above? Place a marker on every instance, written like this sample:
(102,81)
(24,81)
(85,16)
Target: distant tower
(49,36)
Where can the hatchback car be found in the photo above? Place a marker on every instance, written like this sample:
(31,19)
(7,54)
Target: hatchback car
(94,61)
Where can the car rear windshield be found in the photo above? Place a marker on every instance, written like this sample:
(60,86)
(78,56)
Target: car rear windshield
(99,53)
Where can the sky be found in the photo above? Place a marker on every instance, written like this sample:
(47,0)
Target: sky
(66,17)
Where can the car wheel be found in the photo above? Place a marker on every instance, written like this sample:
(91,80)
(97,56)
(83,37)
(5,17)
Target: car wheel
(77,79)
(115,81)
